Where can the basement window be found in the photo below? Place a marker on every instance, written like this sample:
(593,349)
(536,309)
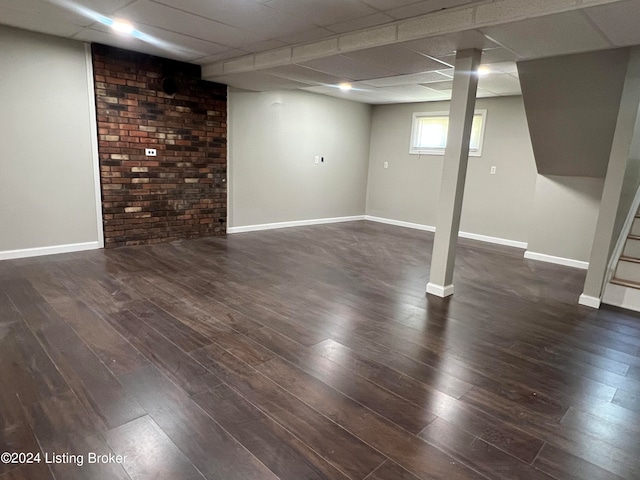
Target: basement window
(429,133)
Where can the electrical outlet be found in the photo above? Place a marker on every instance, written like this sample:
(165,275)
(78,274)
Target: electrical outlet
(150,152)
(493,170)
(317,159)
(386,165)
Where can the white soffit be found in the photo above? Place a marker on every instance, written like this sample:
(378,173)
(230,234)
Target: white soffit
(565,33)
(619,22)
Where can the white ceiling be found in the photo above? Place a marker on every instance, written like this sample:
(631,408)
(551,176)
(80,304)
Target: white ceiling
(390,50)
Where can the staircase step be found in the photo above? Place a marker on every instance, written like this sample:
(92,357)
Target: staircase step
(631,248)
(626,258)
(633,237)
(625,283)
(635,226)
(628,270)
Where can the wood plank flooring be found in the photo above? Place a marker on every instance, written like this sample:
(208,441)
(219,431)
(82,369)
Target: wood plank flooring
(313,353)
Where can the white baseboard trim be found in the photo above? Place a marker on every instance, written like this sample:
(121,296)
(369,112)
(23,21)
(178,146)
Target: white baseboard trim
(39,251)
(496,240)
(296,223)
(567,262)
(400,223)
(439,290)
(589,301)
(429,228)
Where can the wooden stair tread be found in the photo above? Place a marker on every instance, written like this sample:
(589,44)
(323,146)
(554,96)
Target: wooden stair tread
(625,283)
(633,237)
(629,259)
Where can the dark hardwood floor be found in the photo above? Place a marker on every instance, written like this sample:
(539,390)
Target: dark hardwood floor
(313,353)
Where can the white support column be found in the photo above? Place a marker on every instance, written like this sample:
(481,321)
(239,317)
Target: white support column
(454,172)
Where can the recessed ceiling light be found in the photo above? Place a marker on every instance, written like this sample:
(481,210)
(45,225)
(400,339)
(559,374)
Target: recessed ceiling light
(484,70)
(122,26)
(345,87)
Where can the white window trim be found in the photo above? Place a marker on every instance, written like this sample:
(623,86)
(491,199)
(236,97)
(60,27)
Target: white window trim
(440,151)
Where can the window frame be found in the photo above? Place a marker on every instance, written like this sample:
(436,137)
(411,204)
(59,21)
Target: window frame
(414,150)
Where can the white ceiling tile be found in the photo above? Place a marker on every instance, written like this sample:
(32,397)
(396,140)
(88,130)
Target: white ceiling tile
(411,79)
(341,66)
(425,7)
(258,82)
(144,12)
(131,43)
(491,13)
(505,67)
(443,45)
(352,95)
(182,42)
(322,12)
(367,38)
(230,53)
(439,22)
(444,85)
(389,4)
(618,21)
(314,50)
(359,23)
(498,55)
(245,15)
(273,58)
(15,18)
(485,94)
(500,84)
(493,55)
(564,33)
(264,45)
(40,12)
(308,35)
(104,7)
(305,75)
(396,58)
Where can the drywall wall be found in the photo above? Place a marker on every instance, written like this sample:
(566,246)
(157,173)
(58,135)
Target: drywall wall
(572,104)
(47,183)
(564,216)
(408,190)
(273,140)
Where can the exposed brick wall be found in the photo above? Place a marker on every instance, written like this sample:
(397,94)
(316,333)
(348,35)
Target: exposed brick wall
(180,193)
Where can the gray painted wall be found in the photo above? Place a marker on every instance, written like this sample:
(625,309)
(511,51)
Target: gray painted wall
(273,139)
(47,193)
(564,216)
(494,205)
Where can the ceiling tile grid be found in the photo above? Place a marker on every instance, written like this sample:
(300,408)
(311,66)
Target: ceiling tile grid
(394,50)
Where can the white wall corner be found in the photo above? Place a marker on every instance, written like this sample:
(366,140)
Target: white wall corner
(567,262)
(589,301)
(94,145)
(439,290)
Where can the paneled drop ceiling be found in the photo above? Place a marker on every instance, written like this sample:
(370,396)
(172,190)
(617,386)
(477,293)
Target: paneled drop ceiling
(389,50)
